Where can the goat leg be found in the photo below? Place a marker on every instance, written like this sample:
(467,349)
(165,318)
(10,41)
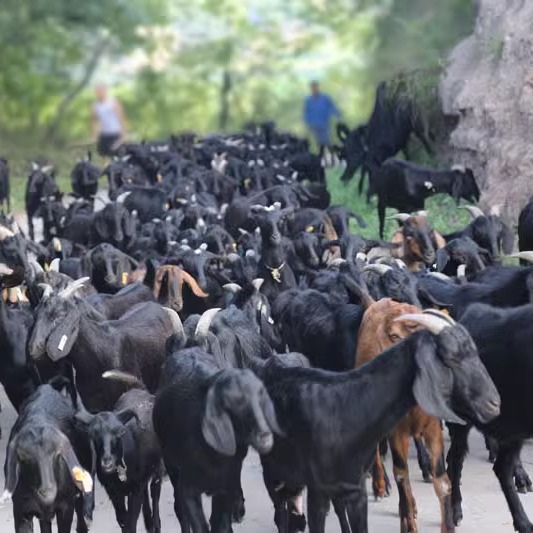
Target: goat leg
(119,505)
(64,519)
(492,447)
(147,510)
(155,490)
(399,443)
(441,482)
(424,461)
(317,511)
(357,509)
(455,460)
(508,455)
(179,502)
(222,507)
(23,524)
(135,501)
(379,484)
(521,478)
(45,526)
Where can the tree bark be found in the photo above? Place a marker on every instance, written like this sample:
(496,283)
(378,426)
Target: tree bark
(225,90)
(69,98)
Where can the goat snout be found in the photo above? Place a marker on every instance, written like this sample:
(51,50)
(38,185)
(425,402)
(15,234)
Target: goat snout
(108,465)
(47,495)
(264,441)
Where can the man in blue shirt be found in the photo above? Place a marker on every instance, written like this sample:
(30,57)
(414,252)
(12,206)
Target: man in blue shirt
(319,109)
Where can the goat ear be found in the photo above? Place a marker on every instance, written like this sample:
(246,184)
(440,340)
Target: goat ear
(217,428)
(434,383)
(270,414)
(442,259)
(63,337)
(12,470)
(80,476)
(342,131)
(457,186)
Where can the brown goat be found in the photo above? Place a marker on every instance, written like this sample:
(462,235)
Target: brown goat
(168,287)
(377,333)
(420,241)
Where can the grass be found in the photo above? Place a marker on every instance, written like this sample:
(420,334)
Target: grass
(443,213)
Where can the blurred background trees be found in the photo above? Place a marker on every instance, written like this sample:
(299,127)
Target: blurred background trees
(210,65)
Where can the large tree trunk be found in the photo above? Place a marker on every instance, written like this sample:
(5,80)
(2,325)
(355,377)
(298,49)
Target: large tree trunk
(225,90)
(69,98)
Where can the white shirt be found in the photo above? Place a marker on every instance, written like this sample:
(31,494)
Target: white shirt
(107,114)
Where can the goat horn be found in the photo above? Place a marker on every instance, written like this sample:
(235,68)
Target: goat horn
(38,269)
(440,314)
(401,217)
(73,287)
(122,197)
(232,288)
(361,256)
(177,325)
(5,232)
(400,263)
(434,324)
(474,211)
(202,327)
(48,291)
(380,269)
(258,283)
(54,265)
(5,270)
(526,256)
(461,271)
(460,168)
(337,262)
(439,275)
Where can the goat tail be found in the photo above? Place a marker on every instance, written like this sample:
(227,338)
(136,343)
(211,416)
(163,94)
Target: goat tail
(124,377)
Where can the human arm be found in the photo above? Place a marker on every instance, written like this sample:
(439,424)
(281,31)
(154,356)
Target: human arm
(94,125)
(334,109)
(122,119)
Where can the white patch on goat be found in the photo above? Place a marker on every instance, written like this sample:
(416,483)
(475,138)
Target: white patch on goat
(62,342)
(428,185)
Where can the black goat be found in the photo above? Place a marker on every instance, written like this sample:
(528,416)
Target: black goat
(128,456)
(489,232)
(84,178)
(462,251)
(505,344)
(405,186)
(46,465)
(205,419)
(66,326)
(41,184)
(441,372)
(394,118)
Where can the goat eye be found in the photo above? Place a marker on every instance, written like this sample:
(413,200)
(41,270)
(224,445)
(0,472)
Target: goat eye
(394,337)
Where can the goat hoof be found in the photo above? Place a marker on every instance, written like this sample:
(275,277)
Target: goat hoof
(457,514)
(238,512)
(297,522)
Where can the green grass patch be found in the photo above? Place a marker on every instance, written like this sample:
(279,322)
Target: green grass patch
(443,213)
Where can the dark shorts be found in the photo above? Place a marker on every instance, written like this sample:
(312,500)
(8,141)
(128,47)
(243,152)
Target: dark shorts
(106,144)
(321,134)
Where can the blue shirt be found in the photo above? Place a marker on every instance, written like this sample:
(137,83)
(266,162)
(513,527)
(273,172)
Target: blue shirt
(318,111)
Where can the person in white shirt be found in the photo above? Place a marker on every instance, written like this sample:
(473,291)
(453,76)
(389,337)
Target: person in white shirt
(108,122)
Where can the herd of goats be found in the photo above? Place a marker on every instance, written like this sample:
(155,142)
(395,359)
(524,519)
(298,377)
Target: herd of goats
(214,300)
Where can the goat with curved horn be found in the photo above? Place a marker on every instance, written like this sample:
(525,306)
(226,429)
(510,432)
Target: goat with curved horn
(177,325)
(434,324)
(73,287)
(204,323)
(400,217)
(474,211)
(379,268)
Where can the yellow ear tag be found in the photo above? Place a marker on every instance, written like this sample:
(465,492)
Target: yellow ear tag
(46,267)
(234,246)
(159,178)
(445,311)
(167,206)
(83,477)
(124,278)
(310,229)
(57,245)
(246,182)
